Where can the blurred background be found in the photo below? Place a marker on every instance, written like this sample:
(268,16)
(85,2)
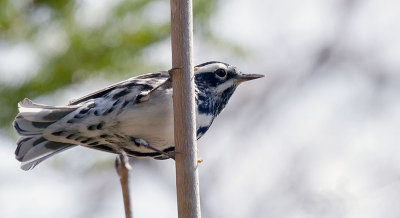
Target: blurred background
(318,137)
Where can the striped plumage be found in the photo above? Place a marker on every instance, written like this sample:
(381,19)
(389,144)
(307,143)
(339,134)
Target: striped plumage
(134,115)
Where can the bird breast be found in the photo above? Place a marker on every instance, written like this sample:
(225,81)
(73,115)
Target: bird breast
(151,120)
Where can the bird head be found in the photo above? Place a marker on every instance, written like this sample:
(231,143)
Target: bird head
(216,82)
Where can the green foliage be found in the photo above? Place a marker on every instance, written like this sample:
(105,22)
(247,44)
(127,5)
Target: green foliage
(115,46)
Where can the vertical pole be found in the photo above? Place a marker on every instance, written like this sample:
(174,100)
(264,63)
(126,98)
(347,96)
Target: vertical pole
(187,178)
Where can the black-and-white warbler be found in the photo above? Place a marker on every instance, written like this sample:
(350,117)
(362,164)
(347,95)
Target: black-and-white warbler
(134,116)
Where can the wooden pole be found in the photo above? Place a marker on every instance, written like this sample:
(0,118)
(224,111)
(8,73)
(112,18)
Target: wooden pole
(123,167)
(187,178)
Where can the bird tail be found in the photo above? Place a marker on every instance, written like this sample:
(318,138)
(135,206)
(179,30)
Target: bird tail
(30,124)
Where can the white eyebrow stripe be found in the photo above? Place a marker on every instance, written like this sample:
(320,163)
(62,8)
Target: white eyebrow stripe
(210,68)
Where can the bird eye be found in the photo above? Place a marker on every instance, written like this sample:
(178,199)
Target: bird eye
(220,72)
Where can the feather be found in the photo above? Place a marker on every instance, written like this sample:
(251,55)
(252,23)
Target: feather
(157,80)
(31,111)
(33,119)
(25,127)
(32,150)
(31,164)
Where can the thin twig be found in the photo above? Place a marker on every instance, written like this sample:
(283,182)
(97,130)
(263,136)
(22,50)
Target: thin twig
(123,167)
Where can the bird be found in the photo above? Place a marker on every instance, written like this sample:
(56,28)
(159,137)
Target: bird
(134,116)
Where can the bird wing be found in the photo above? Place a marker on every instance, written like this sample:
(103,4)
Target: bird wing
(152,79)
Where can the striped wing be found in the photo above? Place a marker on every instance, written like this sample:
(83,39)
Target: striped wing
(152,79)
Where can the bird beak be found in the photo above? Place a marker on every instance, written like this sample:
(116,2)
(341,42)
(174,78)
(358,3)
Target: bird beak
(247,77)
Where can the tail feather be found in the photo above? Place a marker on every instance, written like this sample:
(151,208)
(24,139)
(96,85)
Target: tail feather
(30,123)
(29,128)
(24,144)
(41,152)
(42,113)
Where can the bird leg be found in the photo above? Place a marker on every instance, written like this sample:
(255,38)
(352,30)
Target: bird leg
(142,142)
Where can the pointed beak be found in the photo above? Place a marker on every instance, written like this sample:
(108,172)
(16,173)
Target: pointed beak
(247,77)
